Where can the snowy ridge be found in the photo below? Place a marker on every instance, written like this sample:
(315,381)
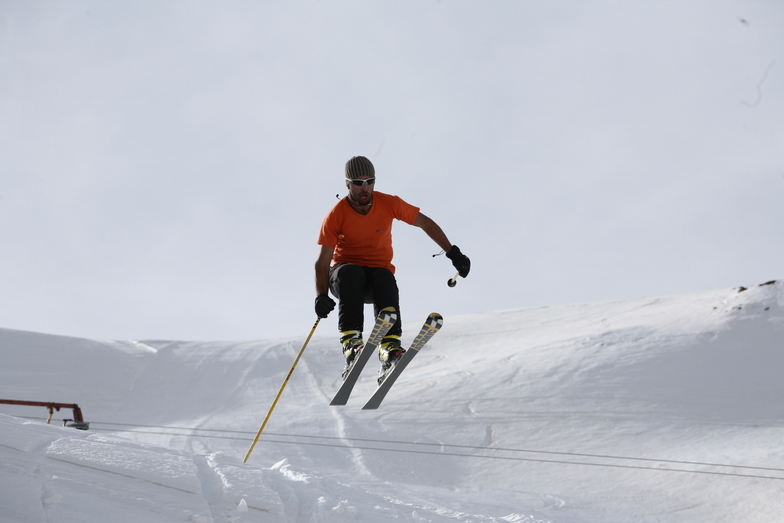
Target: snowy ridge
(658,409)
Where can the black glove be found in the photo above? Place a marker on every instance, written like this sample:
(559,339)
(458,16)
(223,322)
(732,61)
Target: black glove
(459,260)
(324,305)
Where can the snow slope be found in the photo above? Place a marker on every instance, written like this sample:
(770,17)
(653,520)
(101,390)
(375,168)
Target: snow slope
(665,409)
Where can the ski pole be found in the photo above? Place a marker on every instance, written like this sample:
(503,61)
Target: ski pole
(453,280)
(281,390)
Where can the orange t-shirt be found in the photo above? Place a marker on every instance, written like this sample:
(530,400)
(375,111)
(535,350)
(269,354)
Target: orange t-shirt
(365,239)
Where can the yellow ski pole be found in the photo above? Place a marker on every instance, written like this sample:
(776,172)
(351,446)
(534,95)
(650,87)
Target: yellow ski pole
(281,390)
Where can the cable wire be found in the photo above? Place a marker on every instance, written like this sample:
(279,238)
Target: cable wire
(480,452)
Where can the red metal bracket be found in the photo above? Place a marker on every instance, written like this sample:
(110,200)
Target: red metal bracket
(77,422)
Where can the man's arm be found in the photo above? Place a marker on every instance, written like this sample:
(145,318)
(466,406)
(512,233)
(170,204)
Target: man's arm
(459,260)
(432,229)
(322,270)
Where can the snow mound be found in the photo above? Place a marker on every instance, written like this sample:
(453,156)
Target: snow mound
(658,409)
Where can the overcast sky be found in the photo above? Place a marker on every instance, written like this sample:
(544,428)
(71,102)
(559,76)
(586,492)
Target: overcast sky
(165,165)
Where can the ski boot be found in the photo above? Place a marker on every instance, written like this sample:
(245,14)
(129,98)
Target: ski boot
(389,353)
(352,345)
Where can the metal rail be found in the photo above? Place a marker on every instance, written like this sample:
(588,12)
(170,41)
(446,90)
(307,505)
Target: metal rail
(77,422)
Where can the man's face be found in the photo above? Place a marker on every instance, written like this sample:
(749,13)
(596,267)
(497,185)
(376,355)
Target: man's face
(361,189)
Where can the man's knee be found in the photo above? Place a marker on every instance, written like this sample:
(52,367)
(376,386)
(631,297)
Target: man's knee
(384,286)
(384,278)
(346,276)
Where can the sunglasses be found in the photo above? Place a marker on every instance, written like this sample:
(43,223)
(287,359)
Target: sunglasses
(360,183)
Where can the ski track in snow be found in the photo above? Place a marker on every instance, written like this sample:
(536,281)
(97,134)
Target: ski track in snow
(341,421)
(211,489)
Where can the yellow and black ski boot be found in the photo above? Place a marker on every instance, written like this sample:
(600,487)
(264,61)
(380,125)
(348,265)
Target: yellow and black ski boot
(352,345)
(389,352)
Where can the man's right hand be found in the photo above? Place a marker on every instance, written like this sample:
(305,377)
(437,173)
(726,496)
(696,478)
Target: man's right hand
(324,305)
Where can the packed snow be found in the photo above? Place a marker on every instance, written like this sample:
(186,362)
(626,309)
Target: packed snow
(662,409)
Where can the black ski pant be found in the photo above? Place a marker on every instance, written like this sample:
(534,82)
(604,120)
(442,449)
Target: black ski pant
(355,286)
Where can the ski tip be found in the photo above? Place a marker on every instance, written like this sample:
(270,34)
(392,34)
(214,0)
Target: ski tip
(388,314)
(435,320)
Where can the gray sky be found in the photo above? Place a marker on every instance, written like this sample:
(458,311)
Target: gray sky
(165,165)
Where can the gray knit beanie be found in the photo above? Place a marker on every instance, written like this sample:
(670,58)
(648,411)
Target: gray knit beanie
(359,166)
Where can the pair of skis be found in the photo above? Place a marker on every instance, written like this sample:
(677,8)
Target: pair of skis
(384,322)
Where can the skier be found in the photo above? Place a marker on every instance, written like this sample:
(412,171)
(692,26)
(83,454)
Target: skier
(356,235)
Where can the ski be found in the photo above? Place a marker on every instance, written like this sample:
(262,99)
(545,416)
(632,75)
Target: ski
(430,327)
(386,318)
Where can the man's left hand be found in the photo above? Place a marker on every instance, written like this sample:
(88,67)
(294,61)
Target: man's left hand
(459,260)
